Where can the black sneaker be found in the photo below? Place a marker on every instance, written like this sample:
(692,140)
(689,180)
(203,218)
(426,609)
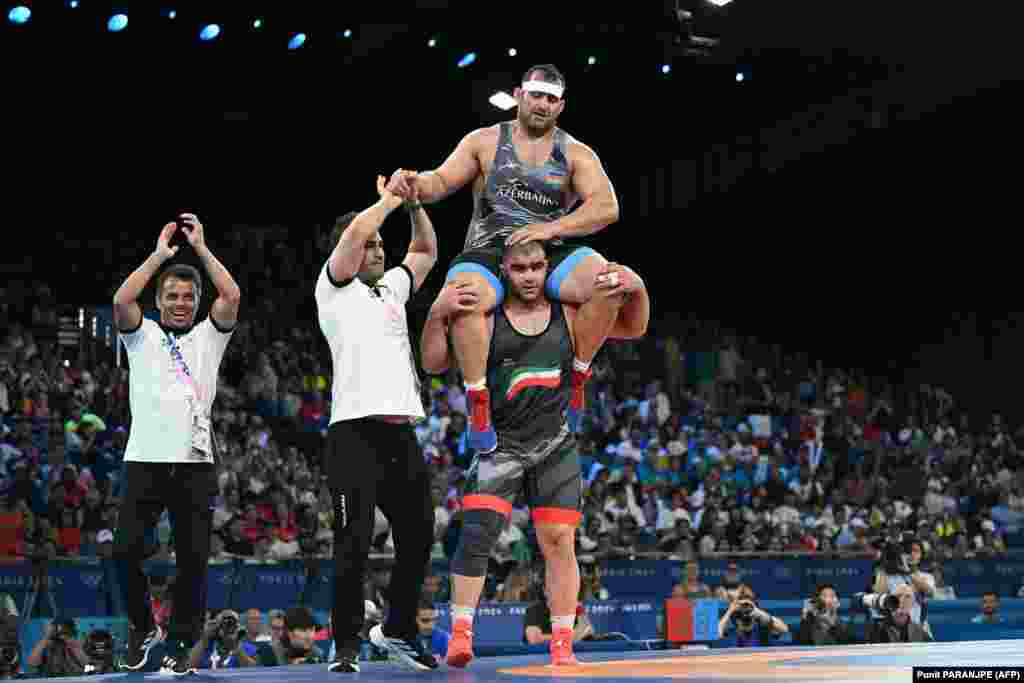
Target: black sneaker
(409,653)
(345,661)
(178,661)
(136,656)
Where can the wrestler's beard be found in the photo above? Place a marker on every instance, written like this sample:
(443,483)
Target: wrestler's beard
(530,124)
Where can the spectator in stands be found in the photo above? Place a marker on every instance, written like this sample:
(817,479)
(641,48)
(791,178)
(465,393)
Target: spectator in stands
(516,587)
(434,639)
(295,645)
(537,624)
(433,588)
(692,588)
(989,609)
(729,590)
(590,585)
(254,630)
(275,618)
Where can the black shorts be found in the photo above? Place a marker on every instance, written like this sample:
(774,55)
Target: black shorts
(562,259)
(551,481)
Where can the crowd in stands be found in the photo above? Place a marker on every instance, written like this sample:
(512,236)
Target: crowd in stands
(725,448)
(717,455)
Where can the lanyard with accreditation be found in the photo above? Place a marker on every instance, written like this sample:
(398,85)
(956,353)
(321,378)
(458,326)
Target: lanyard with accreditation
(201,446)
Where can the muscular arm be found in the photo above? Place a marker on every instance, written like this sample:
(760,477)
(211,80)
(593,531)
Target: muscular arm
(224,310)
(460,168)
(600,207)
(348,253)
(127,313)
(422,254)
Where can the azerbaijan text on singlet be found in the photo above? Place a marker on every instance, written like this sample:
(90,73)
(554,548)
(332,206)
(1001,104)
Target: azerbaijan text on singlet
(517,194)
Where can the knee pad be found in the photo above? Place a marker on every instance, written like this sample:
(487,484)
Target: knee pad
(480,531)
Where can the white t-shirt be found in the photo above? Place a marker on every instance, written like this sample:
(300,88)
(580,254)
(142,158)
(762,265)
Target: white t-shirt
(161,419)
(368,334)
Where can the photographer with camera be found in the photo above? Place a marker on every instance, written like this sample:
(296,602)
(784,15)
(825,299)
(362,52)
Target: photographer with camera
(220,647)
(897,569)
(896,624)
(58,653)
(820,623)
(99,652)
(753,625)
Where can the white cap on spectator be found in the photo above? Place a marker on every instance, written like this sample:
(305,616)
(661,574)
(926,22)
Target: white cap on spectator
(857,521)
(676,448)
(988,525)
(105,536)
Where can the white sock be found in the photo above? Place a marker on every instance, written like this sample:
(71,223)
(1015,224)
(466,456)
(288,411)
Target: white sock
(580,366)
(463,614)
(568,622)
(476,386)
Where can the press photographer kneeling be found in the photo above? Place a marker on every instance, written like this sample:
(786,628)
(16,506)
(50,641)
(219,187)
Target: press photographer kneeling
(753,625)
(820,623)
(895,624)
(899,570)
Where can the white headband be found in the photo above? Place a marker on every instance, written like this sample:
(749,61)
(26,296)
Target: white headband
(544,86)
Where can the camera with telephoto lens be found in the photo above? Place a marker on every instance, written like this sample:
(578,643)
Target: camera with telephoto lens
(886,603)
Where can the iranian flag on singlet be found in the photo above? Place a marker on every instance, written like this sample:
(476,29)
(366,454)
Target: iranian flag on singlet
(524,378)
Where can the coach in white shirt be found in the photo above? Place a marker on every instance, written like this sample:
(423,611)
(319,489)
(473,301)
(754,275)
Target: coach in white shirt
(169,459)
(373,458)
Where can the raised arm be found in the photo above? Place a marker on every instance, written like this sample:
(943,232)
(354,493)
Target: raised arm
(460,168)
(454,297)
(224,310)
(127,313)
(422,254)
(348,253)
